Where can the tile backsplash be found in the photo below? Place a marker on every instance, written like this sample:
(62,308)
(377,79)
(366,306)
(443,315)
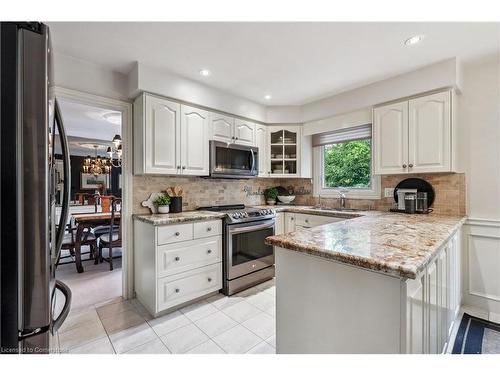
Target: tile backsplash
(199,191)
(449,188)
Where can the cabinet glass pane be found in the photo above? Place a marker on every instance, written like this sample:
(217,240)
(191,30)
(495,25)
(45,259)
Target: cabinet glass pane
(277,137)
(276,152)
(290,137)
(290,167)
(290,152)
(276,167)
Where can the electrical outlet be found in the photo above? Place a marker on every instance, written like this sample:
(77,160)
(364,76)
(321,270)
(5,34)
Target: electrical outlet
(388,192)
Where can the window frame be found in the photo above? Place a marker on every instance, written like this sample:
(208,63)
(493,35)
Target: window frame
(374,192)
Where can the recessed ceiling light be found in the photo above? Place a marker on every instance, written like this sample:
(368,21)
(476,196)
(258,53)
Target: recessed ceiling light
(413,40)
(205,72)
(267,97)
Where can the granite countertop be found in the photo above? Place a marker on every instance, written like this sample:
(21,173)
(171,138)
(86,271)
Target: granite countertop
(392,243)
(181,217)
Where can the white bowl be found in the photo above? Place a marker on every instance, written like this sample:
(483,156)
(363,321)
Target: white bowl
(286,198)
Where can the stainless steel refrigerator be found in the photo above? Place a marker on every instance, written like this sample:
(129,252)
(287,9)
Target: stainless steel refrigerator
(30,239)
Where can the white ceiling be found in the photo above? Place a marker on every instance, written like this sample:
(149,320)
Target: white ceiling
(294,62)
(86,126)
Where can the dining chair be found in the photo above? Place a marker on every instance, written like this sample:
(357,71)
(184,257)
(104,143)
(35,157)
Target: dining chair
(113,238)
(69,242)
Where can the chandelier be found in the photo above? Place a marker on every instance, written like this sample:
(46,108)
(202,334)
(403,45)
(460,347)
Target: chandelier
(96,165)
(116,149)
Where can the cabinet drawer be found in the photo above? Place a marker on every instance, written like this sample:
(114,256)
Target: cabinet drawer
(174,290)
(207,229)
(309,221)
(185,256)
(175,233)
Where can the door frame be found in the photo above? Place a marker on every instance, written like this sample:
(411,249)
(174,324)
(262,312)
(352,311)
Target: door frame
(125,108)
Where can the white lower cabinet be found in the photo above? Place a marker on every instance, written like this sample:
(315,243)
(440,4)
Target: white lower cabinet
(433,301)
(280,223)
(175,264)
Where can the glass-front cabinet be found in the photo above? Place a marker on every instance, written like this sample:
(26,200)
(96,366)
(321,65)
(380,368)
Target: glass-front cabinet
(284,149)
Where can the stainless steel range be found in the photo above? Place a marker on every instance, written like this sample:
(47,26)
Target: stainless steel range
(248,260)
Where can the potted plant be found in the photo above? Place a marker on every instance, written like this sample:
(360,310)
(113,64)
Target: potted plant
(271,195)
(162,202)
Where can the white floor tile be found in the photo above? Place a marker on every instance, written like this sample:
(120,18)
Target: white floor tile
(271,311)
(248,292)
(208,347)
(168,323)
(272,340)
(215,324)
(262,301)
(80,335)
(220,301)
(237,340)
(79,317)
(262,325)
(100,346)
(184,339)
(112,309)
(121,321)
(241,311)
(152,347)
(198,310)
(133,337)
(262,348)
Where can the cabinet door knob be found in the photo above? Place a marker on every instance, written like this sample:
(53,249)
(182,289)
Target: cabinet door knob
(177,290)
(232,137)
(236,138)
(184,167)
(404,165)
(410,165)
(177,234)
(307,220)
(178,167)
(209,251)
(177,259)
(209,229)
(209,279)
(292,219)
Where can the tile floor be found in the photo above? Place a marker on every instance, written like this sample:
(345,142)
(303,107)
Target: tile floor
(243,323)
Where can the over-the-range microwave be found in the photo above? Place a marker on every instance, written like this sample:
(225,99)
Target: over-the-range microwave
(230,160)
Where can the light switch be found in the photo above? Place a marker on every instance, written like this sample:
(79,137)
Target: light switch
(388,192)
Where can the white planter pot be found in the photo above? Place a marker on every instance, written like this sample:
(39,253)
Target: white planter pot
(271,202)
(163,209)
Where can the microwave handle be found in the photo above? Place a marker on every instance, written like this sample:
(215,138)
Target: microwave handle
(253,160)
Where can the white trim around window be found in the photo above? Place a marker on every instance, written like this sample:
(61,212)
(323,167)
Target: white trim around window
(373,193)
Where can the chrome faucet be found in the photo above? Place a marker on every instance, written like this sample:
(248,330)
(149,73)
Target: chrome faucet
(319,202)
(342,198)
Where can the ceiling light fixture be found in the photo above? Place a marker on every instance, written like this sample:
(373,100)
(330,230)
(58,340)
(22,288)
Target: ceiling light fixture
(267,97)
(413,40)
(205,72)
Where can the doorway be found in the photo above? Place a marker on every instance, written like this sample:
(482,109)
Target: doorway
(97,131)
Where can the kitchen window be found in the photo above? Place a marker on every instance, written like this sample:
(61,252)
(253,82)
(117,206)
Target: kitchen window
(343,163)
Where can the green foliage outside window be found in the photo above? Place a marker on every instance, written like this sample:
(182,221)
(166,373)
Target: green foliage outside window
(347,164)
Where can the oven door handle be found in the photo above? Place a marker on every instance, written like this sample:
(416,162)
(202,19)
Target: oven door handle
(251,228)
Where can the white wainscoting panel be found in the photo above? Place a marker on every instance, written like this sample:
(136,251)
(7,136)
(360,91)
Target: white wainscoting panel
(481,264)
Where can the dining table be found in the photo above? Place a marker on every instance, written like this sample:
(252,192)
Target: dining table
(88,221)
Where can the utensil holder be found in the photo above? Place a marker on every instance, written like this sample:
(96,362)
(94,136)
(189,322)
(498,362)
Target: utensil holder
(175,204)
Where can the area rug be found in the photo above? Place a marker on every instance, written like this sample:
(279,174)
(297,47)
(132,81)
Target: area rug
(477,336)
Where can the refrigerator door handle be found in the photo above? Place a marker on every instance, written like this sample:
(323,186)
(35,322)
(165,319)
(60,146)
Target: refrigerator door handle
(66,291)
(67,178)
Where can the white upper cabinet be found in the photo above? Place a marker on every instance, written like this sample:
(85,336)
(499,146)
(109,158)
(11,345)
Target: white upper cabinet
(222,128)
(162,136)
(284,151)
(429,143)
(390,136)
(170,138)
(414,136)
(244,132)
(261,143)
(194,141)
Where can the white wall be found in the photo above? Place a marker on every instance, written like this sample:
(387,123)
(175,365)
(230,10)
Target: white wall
(143,78)
(80,75)
(432,77)
(479,113)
